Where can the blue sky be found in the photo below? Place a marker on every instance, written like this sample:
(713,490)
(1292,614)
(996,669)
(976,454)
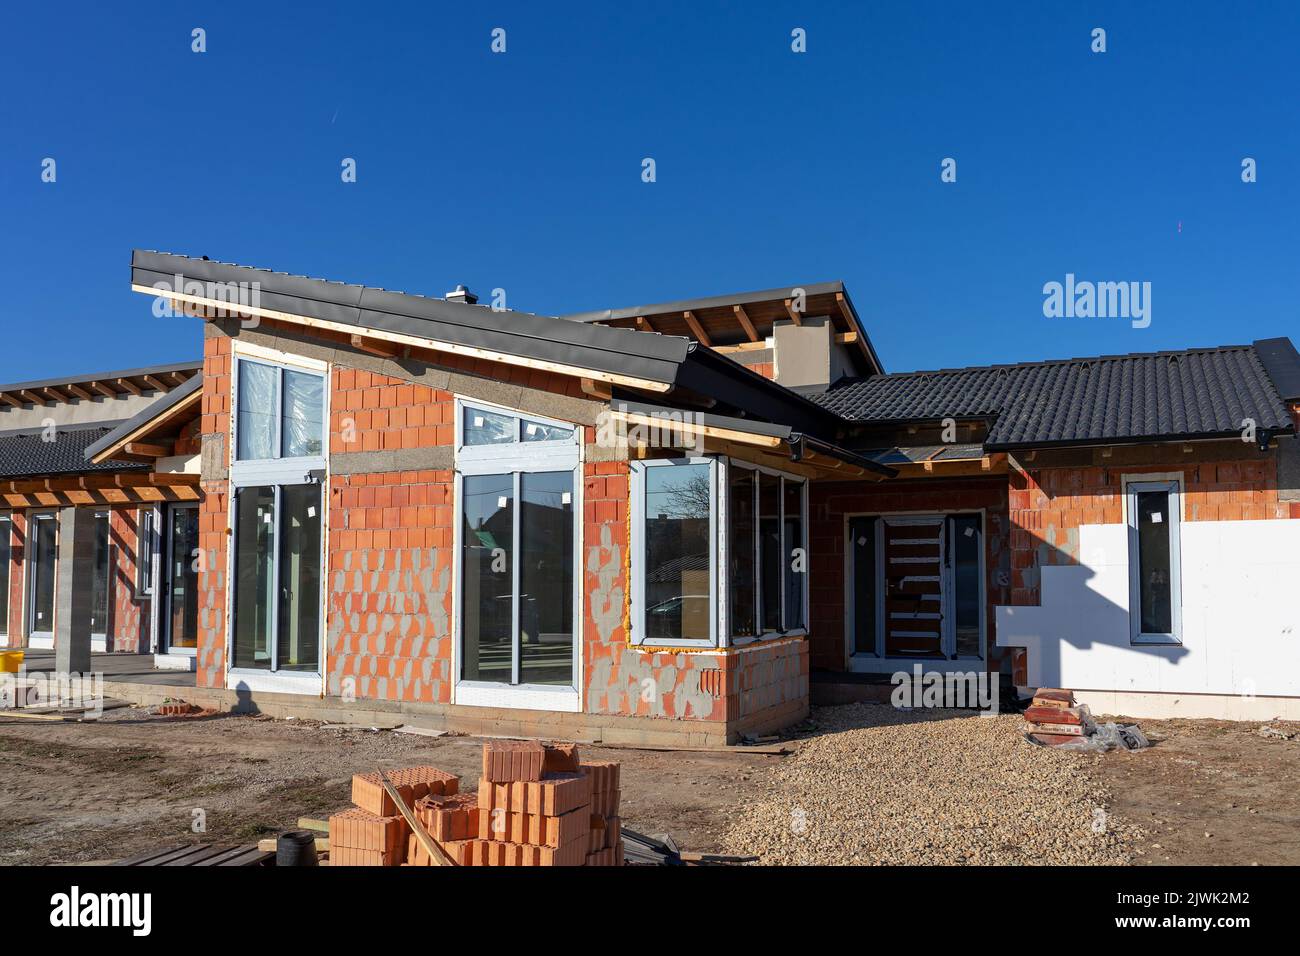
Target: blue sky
(522,170)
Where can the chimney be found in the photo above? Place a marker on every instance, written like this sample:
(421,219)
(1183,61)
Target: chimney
(462,294)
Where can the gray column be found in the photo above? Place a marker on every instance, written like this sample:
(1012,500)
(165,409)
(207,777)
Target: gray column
(74,592)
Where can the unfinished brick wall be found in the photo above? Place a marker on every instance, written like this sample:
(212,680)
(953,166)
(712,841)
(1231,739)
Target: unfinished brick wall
(389,586)
(214,540)
(17,555)
(831,502)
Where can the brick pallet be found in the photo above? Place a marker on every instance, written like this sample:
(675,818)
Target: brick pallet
(537,805)
(1053,717)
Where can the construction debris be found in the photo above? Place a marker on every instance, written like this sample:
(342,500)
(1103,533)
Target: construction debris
(1053,719)
(536,805)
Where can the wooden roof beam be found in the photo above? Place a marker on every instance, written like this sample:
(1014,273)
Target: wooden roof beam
(54,394)
(147,450)
(375,347)
(153,383)
(32,398)
(105,389)
(696,329)
(80,392)
(644,324)
(10,400)
(743,318)
(130,386)
(795,317)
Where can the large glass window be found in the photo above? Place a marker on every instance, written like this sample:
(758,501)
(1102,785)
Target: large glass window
(677,545)
(769,564)
(518,581)
(965,545)
(281,412)
(1155,611)
(741,491)
(6,534)
(43,532)
(183,579)
(255,527)
(100,582)
(298,630)
(145,551)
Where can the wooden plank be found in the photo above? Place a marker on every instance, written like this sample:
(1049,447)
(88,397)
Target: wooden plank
(201,852)
(224,854)
(375,347)
(161,858)
(430,847)
(147,450)
(311,823)
(252,857)
(141,859)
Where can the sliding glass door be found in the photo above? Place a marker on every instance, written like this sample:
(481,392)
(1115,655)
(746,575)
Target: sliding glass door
(277,578)
(181,584)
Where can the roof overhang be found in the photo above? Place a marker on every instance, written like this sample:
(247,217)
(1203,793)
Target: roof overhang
(747,318)
(218,290)
(129,381)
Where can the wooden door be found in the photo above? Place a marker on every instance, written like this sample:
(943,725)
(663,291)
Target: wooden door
(912,566)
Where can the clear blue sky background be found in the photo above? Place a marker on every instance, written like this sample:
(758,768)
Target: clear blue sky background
(522,170)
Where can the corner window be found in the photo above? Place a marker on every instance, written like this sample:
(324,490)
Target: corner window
(281,412)
(1155,585)
(677,567)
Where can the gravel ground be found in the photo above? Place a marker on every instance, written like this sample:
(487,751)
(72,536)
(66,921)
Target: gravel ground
(882,786)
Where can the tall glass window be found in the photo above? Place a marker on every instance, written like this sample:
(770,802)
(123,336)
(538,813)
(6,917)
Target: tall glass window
(741,541)
(487,604)
(6,535)
(255,528)
(43,532)
(281,412)
(1155,587)
(678,553)
(100,583)
(768,564)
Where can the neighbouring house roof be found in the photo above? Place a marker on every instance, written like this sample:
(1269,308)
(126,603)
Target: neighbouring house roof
(130,381)
(26,453)
(740,316)
(1197,393)
(182,402)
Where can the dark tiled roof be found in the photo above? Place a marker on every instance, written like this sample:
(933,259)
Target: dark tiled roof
(1195,393)
(25,454)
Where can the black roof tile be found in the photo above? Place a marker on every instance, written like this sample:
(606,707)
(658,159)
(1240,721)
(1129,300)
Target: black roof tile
(26,453)
(1153,396)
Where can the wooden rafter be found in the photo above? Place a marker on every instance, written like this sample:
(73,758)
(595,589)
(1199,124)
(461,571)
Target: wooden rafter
(644,324)
(597,390)
(850,319)
(53,393)
(696,329)
(153,383)
(795,317)
(80,392)
(147,450)
(32,398)
(130,386)
(10,400)
(743,318)
(375,346)
(105,389)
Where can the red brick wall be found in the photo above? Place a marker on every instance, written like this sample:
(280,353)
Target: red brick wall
(829,502)
(129,611)
(17,555)
(214,518)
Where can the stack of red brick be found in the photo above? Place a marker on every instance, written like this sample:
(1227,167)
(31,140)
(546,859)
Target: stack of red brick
(1054,719)
(537,805)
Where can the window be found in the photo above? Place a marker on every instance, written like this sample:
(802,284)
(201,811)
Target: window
(99,581)
(518,595)
(43,531)
(277,578)
(675,572)
(6,532)
(1155,586)
(768,567)
(674,555)
(281,412)
(145,551)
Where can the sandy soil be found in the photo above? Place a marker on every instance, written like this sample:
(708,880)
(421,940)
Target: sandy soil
(96,792)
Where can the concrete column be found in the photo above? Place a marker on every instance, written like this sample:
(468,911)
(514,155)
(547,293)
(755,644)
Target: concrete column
(74,591)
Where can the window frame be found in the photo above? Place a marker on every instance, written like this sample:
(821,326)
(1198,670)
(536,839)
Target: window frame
(7,532)
(271,470)
(145,538)
(1172,487)
(765,635)
(39,638)
(638,633)
(516,459)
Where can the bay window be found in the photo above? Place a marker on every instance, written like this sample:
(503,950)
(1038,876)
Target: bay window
(703,527)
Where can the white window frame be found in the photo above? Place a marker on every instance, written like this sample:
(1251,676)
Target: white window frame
(637,485)
(99,639)
(42,638)
(516,458)
(276,473)
(1172,486)
(724,498)
(145,538)
(7,531)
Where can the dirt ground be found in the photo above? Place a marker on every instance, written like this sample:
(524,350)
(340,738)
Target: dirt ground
(104,791)
(1208,792)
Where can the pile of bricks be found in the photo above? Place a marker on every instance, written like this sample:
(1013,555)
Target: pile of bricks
(537,805)
(1053,718)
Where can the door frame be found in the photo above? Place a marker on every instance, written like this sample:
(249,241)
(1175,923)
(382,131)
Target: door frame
(878,663)
(164,589)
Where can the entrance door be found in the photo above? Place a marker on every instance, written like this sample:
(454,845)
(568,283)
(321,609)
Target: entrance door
(181,581)
(915,589)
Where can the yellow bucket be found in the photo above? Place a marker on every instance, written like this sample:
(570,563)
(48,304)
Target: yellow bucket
(10,661)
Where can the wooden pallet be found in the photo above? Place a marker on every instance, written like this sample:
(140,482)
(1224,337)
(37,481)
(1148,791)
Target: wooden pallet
(203,854)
